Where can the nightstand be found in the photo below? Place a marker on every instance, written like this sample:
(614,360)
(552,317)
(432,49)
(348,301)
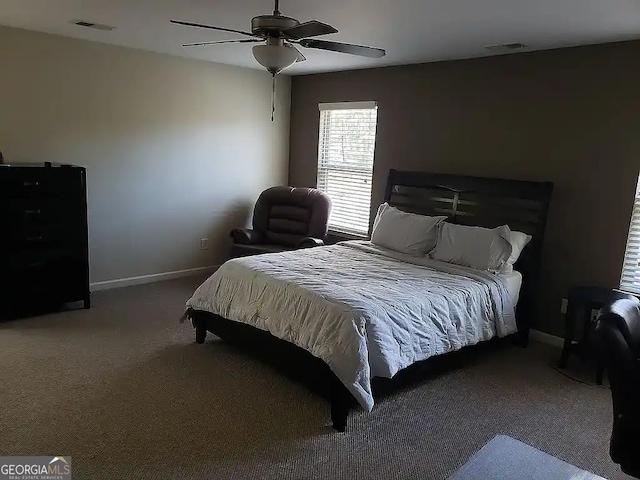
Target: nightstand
(577,323)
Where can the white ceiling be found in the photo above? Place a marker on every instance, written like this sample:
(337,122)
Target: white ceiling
(412,31)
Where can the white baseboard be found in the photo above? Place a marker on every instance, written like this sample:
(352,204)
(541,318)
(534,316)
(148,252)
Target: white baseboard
(542,337)
(156,277)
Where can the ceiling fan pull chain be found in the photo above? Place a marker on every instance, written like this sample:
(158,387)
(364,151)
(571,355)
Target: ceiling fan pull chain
(273,97)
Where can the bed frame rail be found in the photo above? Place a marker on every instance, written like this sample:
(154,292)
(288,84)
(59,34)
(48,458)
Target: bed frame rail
(293,361)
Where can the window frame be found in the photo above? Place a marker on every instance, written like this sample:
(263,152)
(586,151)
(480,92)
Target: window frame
(631,262)
(323,165)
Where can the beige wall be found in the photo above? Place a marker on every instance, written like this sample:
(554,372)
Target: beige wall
(567,116)
(176,150)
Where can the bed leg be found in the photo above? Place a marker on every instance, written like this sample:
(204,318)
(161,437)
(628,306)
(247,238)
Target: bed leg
(340,402)
(201,333)
(523,339)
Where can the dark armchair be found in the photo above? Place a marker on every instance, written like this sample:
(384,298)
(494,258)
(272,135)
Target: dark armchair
(284,218)
(618,330)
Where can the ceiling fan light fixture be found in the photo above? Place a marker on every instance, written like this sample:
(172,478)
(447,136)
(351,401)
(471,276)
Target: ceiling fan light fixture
(275,58)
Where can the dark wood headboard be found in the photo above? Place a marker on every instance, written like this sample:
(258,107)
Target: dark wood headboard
(485,202)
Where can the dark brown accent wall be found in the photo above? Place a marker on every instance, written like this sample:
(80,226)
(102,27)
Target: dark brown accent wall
(569,116)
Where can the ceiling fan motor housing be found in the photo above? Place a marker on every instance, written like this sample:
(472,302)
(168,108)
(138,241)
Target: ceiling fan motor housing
(272,25)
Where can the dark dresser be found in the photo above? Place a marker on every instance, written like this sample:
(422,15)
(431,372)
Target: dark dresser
(44,261)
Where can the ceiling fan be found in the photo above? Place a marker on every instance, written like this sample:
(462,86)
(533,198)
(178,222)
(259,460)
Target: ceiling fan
(280,35)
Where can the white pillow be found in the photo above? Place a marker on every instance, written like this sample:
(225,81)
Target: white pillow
(518,240)
(476,247)
(405,232)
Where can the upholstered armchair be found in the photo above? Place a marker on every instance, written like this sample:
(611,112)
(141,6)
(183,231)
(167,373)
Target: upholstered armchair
(284,218)
(618,330)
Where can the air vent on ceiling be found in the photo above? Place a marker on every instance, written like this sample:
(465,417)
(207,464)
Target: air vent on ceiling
(95,26)
(507,47)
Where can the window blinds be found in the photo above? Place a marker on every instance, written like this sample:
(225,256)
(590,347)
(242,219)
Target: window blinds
(630,281)
(345,162)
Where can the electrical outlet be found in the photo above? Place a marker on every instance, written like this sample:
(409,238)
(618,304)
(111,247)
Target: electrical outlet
(563,306)
(204,243)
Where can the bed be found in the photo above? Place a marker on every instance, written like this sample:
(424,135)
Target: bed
(351,312)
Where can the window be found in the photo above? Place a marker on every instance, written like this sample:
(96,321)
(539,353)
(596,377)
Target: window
(345,162)
(630,281)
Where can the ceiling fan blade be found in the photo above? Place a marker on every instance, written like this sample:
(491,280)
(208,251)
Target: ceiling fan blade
(209,27)
(363,51)
(205,44)
(309,29)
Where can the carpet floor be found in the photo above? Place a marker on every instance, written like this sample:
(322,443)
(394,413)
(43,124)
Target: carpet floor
(125,391)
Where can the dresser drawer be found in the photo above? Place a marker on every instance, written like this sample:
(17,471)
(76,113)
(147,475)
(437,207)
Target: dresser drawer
(44,271)
(17,260)
(29,213)
(31,224)
(31,298)
(41,238)
(38,182)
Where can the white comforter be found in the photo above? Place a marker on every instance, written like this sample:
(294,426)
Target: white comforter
(364,310)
